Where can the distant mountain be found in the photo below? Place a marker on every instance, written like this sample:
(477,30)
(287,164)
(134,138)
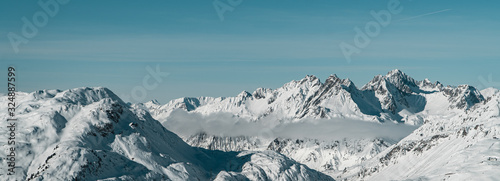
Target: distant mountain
(395,97)
(91,134)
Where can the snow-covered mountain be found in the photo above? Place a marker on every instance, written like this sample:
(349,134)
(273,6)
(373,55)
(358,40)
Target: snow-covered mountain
(91,134)
(395,97)
(392,128)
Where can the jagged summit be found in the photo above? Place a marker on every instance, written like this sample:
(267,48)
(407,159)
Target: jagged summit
(244,94)
(310,78)
(81,95)
(307,82)
(395,78)
(42,94)
(154,101)
(396,72)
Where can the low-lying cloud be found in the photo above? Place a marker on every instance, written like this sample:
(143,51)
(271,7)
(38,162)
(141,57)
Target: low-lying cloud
(225,124)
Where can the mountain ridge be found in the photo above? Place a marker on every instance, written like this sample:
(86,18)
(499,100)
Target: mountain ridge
(384,98)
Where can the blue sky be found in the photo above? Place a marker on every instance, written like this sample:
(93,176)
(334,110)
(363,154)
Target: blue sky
(258,44)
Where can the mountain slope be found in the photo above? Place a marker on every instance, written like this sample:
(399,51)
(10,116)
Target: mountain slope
(330,157)
(463,147)
(90,134)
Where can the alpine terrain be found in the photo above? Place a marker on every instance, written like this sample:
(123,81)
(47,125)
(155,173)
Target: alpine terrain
(392,128)
(91,134)
(449,120)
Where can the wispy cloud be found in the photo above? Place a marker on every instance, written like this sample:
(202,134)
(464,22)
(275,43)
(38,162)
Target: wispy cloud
(422,15)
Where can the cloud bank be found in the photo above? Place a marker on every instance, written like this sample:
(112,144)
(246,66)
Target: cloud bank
(225,124)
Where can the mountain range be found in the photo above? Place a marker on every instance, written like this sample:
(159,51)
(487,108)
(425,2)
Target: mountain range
(395,97)
(392,128)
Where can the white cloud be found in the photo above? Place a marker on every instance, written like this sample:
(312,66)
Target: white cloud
(224,124)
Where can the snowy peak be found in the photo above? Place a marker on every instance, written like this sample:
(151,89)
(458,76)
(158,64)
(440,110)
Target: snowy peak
(185,103)
(154,101)
(463,96)
(306,83)
(394,91)
(402,82)
(87,95)
(397,91)
(394,79)
(335,81)
(310,79)
(262,93)
(244,95)
(43,94)
(395,72)
(426,84)
(68,135)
